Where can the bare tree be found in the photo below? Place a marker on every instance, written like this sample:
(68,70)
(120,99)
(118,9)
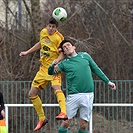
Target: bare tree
(101,28)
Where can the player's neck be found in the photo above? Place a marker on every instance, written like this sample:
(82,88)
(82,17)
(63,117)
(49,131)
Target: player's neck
(72,55)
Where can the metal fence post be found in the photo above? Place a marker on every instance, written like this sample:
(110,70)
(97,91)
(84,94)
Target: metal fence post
(6,117)
(90,124)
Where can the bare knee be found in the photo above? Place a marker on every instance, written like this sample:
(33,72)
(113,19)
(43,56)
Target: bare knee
(33,92)
(65,123)
(83,124)
(56,87)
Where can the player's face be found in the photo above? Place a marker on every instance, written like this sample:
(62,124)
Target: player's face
(69,49)
(51,28)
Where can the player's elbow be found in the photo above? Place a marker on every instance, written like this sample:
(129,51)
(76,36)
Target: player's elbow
(50,71)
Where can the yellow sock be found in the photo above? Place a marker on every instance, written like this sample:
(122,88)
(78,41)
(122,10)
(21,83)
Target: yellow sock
(61,100)
(37,103)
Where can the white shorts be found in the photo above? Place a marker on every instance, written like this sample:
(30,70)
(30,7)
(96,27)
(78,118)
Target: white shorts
(82,102)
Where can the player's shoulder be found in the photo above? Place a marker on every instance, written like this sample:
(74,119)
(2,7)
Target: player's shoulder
(83,54)
(44,30)
(65,61)
(59,35)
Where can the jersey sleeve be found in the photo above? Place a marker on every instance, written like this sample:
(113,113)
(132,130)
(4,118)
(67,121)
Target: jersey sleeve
(51,69)
(60,49)
(61,38)
(95,69)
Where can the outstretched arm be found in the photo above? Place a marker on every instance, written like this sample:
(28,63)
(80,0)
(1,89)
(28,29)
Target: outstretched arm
(36,47)
(97,71)
(102,76)
(112,85)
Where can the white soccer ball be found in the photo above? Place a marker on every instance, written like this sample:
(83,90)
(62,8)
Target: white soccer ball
(59,14)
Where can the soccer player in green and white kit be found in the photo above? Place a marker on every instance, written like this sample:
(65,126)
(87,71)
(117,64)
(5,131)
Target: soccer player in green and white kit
(78,68)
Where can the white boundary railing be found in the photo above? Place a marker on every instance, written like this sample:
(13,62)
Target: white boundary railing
(56,105)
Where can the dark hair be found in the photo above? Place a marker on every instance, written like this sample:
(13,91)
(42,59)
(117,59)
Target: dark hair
(53,21)
(64,41)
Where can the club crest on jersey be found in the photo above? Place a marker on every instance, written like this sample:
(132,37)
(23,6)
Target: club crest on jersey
(47,41)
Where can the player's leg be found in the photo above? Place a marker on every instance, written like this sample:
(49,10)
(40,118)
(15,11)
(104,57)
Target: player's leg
(63,128)
(56,86)
(83,126)
(71,108)
(37,103)
(86,105)
(37,85)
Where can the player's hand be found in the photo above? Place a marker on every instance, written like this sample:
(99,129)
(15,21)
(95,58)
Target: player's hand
(23,53)
(55,64)
(56,68)
(3,113)
(112,85)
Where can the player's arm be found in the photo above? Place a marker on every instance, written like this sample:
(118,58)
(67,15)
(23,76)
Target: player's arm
(52,70)
(36,47)
(97,71)
(60,57)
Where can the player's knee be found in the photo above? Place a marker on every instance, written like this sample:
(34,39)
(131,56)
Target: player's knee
(33,92)
(65,124)
(56,87)
(83,125)
(30,94)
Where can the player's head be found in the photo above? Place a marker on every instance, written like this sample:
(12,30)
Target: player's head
(68,47)
(53,21)
(52,26)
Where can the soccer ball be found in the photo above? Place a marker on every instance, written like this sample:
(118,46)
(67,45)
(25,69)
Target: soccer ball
(59,14)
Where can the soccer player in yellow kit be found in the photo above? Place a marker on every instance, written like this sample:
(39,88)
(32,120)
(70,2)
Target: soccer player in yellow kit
(50,39)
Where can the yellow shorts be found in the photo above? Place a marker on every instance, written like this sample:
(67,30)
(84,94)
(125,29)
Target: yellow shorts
(42,79)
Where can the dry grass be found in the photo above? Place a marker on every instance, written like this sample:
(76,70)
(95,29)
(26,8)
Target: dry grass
(102,125)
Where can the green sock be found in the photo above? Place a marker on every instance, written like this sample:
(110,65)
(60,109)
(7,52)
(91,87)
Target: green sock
(82,131)
(62,130)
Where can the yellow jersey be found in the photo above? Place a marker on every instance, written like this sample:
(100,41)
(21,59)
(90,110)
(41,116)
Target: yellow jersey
(50,47)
